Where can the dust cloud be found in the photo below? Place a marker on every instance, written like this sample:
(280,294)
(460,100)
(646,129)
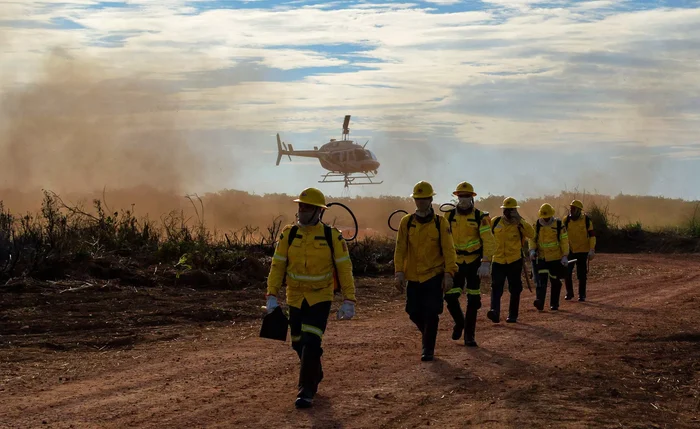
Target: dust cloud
(77,130)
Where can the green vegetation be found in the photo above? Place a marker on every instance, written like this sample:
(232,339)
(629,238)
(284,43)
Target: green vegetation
(63,241)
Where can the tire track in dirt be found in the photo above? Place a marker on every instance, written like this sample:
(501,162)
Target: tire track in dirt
(589,364)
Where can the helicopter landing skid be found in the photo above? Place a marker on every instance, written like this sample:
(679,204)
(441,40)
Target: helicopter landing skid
(349,179)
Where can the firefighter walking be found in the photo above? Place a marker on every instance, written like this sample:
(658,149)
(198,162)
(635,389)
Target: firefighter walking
(474,245)
(550,248)
(510,232)
(424,265)
(310,258)
(582,241)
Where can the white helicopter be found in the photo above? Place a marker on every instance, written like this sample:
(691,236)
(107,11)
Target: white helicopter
(345,160)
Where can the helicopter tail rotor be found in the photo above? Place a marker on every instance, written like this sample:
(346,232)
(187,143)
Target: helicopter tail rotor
(280,151)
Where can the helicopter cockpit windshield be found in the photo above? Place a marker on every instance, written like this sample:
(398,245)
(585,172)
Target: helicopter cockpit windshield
(372,155)
(360,155)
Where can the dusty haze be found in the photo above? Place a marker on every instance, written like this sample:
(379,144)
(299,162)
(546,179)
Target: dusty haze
(76,129)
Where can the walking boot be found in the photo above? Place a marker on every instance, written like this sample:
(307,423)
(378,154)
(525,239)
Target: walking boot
(492,316)
(304,400)
(309,377)
(430,337)
(470,324)
(457,332)
(569,289)
(456,312)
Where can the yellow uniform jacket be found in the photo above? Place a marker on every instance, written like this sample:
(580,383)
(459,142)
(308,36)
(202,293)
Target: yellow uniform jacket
(581,234)
(472,235)
(549,246)
(306,266)
(510,239)
(422,251)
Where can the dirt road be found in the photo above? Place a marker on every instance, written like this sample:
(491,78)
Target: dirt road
(628,357)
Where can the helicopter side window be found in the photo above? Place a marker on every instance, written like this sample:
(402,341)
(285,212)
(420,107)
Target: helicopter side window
(335,157)
(360,155)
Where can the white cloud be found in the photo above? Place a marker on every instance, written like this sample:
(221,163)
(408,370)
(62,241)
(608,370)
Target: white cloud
(445,2)
(571,74)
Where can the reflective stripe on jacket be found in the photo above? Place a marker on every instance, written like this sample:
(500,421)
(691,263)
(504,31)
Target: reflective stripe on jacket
(548,246)
(471,237)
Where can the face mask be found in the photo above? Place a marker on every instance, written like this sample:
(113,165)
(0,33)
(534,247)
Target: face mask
(546,222)
(308,218)
(511,214)
(575,214)
(465,203)
(423,206)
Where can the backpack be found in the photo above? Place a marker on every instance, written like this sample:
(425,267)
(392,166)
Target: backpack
(328,236)
(477,213)
(588,221)
(437,225)
(538,227)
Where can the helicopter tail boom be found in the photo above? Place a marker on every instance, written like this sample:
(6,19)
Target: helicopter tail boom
(287,149)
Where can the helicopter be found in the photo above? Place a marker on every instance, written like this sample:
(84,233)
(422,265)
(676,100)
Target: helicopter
(346,161)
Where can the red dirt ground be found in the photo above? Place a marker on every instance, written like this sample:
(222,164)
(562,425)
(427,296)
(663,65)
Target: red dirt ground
(628,357)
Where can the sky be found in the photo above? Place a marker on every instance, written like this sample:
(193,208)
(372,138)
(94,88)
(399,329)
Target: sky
(518,97)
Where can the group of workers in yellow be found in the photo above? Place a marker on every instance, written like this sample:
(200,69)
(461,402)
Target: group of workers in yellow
(436,258)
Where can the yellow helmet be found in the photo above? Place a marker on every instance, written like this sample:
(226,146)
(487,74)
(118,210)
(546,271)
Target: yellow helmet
(422,189)
(465,188)
(312,196)
(546,211)
(577,203)
(510,203)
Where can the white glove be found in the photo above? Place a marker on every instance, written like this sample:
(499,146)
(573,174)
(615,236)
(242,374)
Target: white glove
(533,254)
(447,282)
(591,254)
(346,311)
(271,303)
(400,278)
(484,269)
(565,261)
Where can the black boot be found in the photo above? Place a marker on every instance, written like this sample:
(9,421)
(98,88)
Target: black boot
(309,376)
(582,290)
(473,304)
(554,297)
(569,288)
(455,310)
(513,307)
(430,337)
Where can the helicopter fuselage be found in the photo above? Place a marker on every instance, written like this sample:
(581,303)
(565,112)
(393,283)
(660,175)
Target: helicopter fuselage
(346,156)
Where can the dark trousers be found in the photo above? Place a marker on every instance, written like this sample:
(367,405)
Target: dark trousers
(499,274)
(307,326)
(552,271)
(581,273)
(467,275)
(424,306)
